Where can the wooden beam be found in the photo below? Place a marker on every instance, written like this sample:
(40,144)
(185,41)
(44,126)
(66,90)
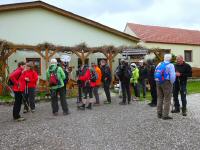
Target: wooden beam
(13,50)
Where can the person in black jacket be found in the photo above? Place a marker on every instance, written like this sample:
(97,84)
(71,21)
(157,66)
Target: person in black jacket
(123,73)
(150,75)
(106,80)
(183,71)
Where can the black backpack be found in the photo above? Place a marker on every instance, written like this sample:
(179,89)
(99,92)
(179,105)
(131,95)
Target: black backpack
(94,75)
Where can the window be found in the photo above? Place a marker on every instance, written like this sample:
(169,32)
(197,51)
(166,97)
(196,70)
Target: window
(37,64)
(188,55)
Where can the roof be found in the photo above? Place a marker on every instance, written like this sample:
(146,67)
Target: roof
(40,4)
(167,35)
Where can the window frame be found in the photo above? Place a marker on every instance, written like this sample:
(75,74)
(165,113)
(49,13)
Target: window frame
(191,55)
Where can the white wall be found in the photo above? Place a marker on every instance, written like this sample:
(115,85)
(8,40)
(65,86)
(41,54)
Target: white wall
(37,25)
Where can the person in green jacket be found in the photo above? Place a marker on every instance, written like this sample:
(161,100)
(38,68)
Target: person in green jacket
(55,77)
(134,80)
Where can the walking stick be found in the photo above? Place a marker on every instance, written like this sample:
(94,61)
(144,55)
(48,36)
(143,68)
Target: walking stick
(25,97)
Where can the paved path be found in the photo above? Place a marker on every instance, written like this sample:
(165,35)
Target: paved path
(108,127)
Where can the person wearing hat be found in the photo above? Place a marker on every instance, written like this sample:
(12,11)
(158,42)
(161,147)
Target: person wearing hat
(134,80)
(31,78)
(56,77)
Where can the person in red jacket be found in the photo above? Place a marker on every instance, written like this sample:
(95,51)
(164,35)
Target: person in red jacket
(31,78)
(88,88)
(17,78)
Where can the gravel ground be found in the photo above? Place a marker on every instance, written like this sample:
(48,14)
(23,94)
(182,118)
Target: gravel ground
(107,127)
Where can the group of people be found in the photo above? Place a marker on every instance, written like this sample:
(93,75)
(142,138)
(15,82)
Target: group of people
(165,79)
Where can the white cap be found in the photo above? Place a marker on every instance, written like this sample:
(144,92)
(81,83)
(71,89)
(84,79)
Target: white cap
(133,65)
(53,61)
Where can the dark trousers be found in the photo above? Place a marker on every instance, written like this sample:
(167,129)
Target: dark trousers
(79,93)
(106,86)
(126,91)
(136,89)
(88,91)
(96,93)
(30,99)
(63,101)
(180,86)
(17,105)
(142,87)
(153,91)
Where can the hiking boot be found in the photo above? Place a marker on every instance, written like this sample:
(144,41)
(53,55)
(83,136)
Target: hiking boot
(55,114)
(107,102)
(159,116)
(82,107)
(167,118)
(66,113)
(175,110)
(89,106)
(184,111)
(122,103)
(96,104)
(152,105)
(20,119)
(25,111)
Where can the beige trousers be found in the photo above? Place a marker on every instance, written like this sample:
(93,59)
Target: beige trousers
(164,94)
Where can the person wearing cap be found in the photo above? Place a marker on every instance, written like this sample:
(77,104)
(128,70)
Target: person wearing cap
(123,73)
(31,78)
(58,88)
(134,80)
(164,89)
(97,83)
(142,78)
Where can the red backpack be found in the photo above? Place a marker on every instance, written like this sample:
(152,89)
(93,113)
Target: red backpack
(53,80)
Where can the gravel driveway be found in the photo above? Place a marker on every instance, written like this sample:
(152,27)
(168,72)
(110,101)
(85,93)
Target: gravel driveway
(107,127)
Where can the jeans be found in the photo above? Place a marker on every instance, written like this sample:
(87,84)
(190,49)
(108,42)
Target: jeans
(143,87)
(30,99)
(63,101)
(96,93)
(136,89)
(17,105)
(106,86)
(126,91)
(180,86)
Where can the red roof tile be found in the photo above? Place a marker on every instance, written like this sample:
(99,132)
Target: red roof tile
(165,35)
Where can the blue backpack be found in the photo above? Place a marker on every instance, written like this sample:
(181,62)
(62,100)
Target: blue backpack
(160,74)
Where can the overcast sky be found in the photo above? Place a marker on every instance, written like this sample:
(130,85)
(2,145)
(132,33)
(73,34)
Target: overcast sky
(116,13)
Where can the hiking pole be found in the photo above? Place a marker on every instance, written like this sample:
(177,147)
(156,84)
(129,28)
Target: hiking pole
(25,98)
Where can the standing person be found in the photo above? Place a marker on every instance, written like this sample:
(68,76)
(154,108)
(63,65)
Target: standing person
(88,88)
(164,77)
(79,73)
(106,80)
(134,80)
(97,83)
(18,87)
(56,76)
(150,72)
(183,71)
(66,71)
(142,78)
(123,73)
(31,78)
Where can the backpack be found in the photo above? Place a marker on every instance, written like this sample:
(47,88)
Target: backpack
(10,83)
(53,80)
(160,73)
(94,75)
(127,73)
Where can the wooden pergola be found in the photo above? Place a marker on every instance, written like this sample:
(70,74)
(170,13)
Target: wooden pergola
(47,51)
